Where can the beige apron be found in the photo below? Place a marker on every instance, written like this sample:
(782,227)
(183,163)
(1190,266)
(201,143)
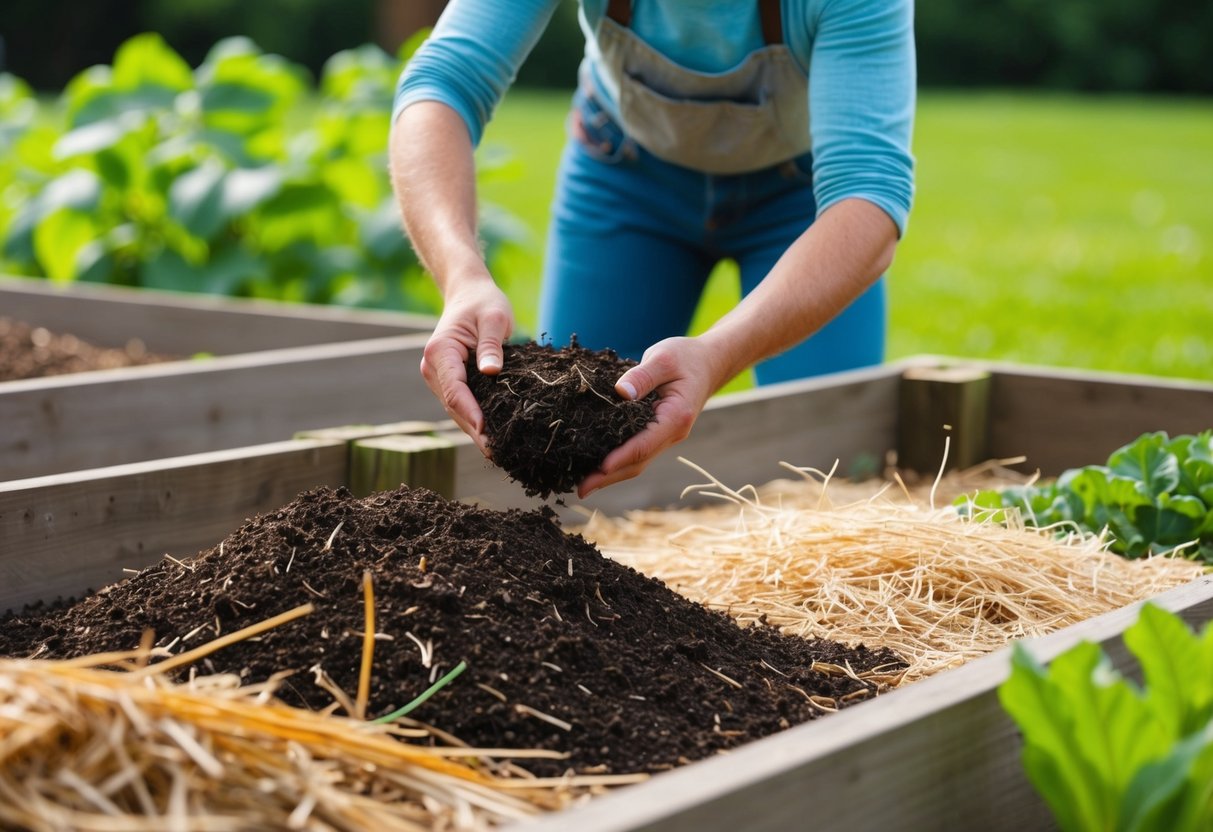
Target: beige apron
(751,117)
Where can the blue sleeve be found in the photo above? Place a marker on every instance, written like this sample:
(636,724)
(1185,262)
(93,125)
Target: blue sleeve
(473,56)
(862,81)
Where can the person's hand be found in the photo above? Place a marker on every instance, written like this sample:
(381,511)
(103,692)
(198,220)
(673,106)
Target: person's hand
(684,374)
(476,317)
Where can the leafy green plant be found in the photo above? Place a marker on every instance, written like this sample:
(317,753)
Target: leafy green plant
(1153,495)
(237,178)
(1106,754)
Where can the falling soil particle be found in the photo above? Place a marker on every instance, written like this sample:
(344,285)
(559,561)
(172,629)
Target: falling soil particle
(552,415)
(565,649)
(34,352)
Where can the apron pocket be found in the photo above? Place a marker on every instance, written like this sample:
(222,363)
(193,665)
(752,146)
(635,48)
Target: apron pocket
(719,136)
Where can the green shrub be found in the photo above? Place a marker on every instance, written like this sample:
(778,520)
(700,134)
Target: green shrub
(238,177)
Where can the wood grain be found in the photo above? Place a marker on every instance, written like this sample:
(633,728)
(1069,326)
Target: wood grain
(175,323)
(66,534)
(113,417)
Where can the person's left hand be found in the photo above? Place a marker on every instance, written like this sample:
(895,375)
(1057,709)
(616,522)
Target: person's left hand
(684,374)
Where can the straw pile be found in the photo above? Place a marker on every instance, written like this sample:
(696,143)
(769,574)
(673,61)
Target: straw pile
(85,748)
(889,568)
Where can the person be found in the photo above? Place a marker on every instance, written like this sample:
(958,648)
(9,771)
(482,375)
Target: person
(773,132)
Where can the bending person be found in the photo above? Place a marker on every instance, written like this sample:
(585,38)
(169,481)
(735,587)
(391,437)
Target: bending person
(773,133)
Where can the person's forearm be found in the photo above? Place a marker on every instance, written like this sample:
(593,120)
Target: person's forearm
(434,177)
(840,255)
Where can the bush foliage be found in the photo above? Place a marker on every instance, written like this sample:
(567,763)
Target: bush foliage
(239,177)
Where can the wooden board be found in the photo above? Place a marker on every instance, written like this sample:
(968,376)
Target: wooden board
(117,416)
(184,324)
(939,754)
(1061,419)
(64,535)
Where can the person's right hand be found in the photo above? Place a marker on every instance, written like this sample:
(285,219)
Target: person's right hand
(476,317)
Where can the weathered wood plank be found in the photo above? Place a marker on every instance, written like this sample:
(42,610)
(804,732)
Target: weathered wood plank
(184,324)
(66,534)
(939,754)
(116,416)
(1062,419)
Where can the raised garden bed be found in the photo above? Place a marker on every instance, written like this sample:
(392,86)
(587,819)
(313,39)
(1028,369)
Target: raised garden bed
(939,754)
(251,372)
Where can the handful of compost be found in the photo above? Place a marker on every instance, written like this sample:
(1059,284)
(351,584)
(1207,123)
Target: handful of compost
(552,415)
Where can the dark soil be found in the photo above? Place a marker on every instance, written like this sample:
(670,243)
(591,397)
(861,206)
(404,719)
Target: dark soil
(541,618)
(33,352)
(552,415)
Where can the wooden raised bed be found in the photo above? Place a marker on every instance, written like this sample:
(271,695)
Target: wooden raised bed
(271,369)
(939,754)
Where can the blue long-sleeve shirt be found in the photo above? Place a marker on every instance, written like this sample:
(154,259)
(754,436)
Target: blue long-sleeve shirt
(858,54)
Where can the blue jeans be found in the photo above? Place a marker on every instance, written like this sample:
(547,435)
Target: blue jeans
(633,240)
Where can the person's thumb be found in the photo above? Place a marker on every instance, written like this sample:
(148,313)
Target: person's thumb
(494,328)
(636,383)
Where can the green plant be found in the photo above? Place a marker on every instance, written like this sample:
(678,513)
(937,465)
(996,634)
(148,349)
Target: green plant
(1106,754)
(233,178)
(1153,495)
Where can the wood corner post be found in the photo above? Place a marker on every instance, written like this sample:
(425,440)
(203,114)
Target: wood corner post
(943,407)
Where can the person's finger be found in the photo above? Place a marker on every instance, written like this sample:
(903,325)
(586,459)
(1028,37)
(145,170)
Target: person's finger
(674,421)
(442,366)
(493,328)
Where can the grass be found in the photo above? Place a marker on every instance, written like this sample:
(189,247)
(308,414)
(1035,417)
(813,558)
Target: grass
(1056,230)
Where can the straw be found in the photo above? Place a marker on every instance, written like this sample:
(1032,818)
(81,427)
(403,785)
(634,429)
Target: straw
(884,569)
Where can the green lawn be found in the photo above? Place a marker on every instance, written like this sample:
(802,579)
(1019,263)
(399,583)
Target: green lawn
(1057,230)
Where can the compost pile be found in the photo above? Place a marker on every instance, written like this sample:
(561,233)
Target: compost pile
(552,415)
(564,648)
(34,352)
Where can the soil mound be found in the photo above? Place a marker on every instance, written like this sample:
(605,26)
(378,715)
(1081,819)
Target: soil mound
(552,415)
(565,649)
(33,352)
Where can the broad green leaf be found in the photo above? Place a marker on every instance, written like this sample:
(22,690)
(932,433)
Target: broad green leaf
(1194,812)
(366,74)
(229,271)
(1178,677)
(77,190)
(354,182)
(359,135)
(298,213)
(170,271)
(58,240)
(1045,715)
(231,96)
(382,233)
(1173,521)
(147,61)
(245,189)
(1113,729)
(207,198)
(236,75)
(1156,799)
(1148,460)
(196,200)
(97,136)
